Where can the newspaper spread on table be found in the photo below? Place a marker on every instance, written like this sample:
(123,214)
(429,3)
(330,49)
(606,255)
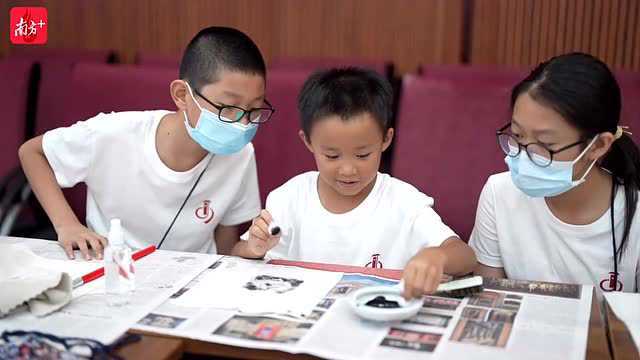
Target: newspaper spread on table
(249,286)
(509,318)
(158,276)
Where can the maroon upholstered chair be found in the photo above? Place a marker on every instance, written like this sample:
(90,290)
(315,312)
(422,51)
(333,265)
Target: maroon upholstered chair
(55,67)
(155,59)
(99,88)
(630,91)
(506,77)
(280,153)
(17,77)
(105,88)
(49,97)
(16,98)
(70,55)
(446,144)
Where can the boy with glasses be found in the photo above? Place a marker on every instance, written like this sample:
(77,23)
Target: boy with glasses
(184,180)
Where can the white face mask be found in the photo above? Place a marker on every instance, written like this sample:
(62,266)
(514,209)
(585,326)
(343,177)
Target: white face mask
(216,136)
(552,180)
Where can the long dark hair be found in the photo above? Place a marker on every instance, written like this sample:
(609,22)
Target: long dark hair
(584,91)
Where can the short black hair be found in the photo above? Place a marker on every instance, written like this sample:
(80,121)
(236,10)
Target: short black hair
(345,92)
(219,48)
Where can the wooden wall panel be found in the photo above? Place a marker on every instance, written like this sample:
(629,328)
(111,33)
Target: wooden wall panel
(408,32)
(524,32)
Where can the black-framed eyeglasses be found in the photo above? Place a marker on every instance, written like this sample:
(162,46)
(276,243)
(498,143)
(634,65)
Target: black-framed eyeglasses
(231,114)
(537,152)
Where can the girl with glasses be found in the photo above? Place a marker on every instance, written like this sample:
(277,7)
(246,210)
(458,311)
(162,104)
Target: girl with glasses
(566,210)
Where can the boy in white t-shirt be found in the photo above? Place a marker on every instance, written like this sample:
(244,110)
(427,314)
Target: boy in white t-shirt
(347,212)
(181,180)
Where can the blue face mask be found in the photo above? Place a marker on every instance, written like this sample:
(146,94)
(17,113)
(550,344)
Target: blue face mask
(537,181)
(217,136)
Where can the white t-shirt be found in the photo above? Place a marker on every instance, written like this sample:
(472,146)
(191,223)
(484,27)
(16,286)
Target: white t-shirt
(391,225)
(115,155)
(520,234)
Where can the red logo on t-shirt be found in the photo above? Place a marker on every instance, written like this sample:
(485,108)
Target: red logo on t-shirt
(204,212)
(375,262)
(611,283)
(28,25)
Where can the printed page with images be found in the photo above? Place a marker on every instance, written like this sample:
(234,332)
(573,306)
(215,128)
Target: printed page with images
(258,331)
(256,288)
(530,320)
(158,276)
(508,318)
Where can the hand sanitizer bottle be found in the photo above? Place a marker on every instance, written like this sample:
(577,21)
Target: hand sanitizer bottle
(118,267)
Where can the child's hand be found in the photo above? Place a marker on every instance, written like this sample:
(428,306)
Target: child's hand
(80,237)
(260,241)
(423,272)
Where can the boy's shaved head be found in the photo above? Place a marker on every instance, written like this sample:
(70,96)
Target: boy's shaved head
(215,49)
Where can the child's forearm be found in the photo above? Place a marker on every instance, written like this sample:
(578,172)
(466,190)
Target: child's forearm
(226,238)
(44,184)
(460,258)
(490,271)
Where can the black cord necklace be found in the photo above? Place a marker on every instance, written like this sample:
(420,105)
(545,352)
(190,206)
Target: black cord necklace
(184,203)
(613,228)
(611,284)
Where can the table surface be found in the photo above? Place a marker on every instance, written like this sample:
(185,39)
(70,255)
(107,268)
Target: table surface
(153,347)
(622,344)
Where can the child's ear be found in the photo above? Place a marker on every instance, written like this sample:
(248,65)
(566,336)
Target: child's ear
(178,90)
(601,146)
(388,137)
(304,139)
